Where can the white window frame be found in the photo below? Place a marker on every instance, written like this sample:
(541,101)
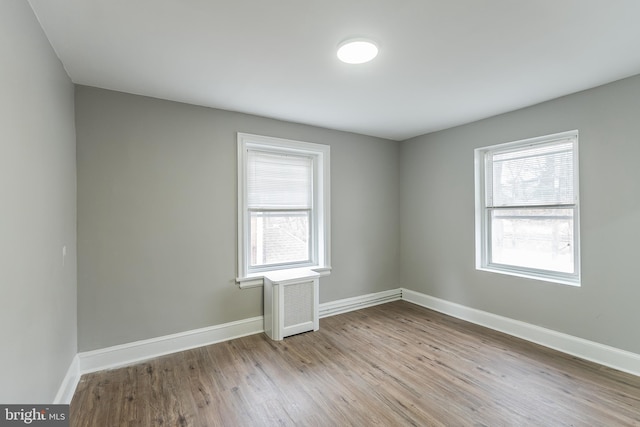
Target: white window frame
(320,226)
(483,221)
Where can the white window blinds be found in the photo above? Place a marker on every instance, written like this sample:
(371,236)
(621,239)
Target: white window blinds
(279,181)
(541,175)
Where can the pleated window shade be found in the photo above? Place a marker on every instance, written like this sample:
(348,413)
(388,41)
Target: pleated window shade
(279,181)
(541,175)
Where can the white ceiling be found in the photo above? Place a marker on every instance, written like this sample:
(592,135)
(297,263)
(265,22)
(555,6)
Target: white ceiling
(441,62)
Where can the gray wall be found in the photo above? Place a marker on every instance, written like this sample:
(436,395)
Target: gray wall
(437,217)
(157,215)
(37,212)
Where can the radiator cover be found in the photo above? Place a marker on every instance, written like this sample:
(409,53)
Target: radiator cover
(290,302)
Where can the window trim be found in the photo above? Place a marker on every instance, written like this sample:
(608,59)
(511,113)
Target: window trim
(321,221)
(482,213)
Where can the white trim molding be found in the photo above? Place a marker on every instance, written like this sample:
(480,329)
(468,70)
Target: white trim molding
(356,303)
(126,354)
(563,148)
(612,357)
(258,280)
(69,383)
(319,205)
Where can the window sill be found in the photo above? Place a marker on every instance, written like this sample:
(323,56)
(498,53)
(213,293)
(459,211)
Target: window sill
(532,276)
(257,280)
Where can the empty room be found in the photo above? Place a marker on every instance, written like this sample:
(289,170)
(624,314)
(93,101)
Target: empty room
(246,213)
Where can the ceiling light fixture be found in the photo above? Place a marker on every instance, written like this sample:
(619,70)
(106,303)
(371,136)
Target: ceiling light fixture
(357,51)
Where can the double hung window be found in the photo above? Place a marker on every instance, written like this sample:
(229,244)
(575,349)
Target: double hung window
(279,206)
(527,210)
(283,205)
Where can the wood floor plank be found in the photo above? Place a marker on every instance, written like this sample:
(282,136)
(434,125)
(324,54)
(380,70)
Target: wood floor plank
(390,365)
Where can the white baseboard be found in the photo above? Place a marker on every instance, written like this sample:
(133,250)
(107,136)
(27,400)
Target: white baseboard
(69,383)
(605,355)
(355,303)
(126,354)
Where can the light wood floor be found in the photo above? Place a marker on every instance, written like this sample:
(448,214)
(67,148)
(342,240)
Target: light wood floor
(390,365)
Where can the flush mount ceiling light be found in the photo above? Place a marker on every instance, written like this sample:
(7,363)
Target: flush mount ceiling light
(357,51)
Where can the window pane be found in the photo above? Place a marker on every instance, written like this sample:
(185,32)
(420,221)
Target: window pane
(533,238)
(279,237)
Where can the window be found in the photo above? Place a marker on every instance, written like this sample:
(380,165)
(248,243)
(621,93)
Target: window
(283,205)
(527,211)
